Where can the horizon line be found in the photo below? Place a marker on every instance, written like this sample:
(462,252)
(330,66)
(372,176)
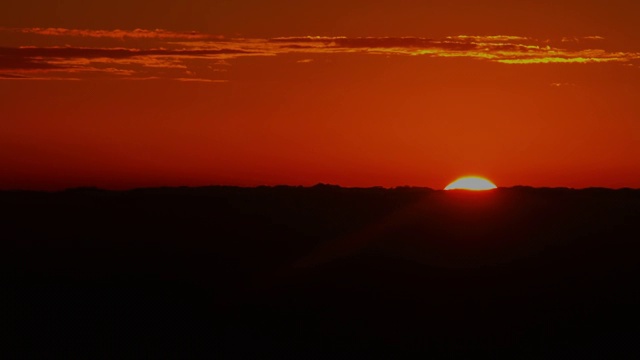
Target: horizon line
(317,185)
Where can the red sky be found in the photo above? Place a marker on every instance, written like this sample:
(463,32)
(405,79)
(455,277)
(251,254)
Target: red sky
(121,94)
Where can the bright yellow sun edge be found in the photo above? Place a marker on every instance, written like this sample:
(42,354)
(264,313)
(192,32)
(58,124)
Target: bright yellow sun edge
(474,183)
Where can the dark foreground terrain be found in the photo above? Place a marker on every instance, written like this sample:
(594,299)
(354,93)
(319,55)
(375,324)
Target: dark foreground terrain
(320,273)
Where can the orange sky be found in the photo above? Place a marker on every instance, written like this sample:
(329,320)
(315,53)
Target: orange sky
(121,94)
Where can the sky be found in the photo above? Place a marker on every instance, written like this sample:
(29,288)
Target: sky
(123,94)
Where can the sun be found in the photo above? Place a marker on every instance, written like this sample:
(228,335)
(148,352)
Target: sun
(475,183)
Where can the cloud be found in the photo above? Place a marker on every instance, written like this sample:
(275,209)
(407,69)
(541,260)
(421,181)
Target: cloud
(371,43)
(151,54)
(488,38)
(559,60)
(113,53)
(59,61)
(117,34)
(500,48)
(22,77)
(16,62)
(578,39)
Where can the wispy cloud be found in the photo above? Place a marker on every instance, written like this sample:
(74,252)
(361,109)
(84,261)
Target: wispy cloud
(488,38)
(116,34)
(27,78)
(114,53)
(61,61)
(191,56)
(578,39)
(500,48)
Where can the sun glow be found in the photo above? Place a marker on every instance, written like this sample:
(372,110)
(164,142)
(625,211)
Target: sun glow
(474,183)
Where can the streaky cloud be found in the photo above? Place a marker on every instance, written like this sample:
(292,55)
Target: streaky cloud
(118,33)
(176,55)
(114,53)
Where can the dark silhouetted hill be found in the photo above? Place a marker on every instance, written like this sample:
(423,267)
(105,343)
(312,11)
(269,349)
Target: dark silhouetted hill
(321,272)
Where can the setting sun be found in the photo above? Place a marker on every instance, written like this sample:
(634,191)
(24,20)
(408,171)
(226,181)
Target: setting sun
(475,183)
